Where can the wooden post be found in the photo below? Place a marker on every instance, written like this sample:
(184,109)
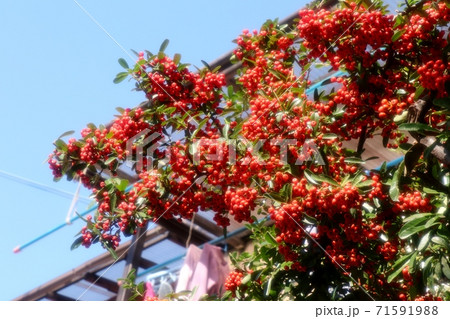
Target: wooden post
(132,260)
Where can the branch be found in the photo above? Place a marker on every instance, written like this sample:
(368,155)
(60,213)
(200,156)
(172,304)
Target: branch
(410,9)
(416,114)
(439,150)
(362,140)
(418,110)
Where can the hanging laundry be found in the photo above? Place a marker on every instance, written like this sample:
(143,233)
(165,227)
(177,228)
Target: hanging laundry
(149,292)
(165,289)
(190,263)
(204,271)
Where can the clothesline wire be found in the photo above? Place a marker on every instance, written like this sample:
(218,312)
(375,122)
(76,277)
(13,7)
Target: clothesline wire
(191,228)
(42,187)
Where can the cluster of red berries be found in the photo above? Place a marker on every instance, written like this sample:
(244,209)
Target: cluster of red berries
(387,250)
(55,164)
(101,144)
(433,75)
(366,32)
(413,201)
(421,28)
(233,281)
(168,83)
(241,202)
(428,297)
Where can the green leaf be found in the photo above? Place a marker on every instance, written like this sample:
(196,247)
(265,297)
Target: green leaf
(442,102)
(269,238)
(309,177)
(440,241)
(77,243)
(413,262)
(66,134)
(417,127)
(110,160)
(268,288)
(398,267)
(398,21)
(237,130)
(432,221)
(200,125)
(315,179)
(354,160)
(122,185)
(111,251)
(206,64)
(177,58)
(356,179)
(279,117)
(426,262)
(394,190)
(316,95)
(329,136)
(325,82)
(417,225)
(418,92)
(309,219)
(445,267)
(430,191)
(424,241)
(437,271)
(366,183)
(120,77)
(385,140)
(397,35)
(275,196)
(286,192)
(246,279)
(226,129)
(170,110)
(401,117)
(164,45)
(135,52)
(123,63)
(276,74)
(413,156)
(61,145)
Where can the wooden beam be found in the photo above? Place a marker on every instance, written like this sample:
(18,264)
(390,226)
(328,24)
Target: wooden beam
(58,297)
(212,227)
(102,282)
(179,232)
(145,263)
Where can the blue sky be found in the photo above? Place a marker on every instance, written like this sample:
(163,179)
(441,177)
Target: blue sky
(57,69)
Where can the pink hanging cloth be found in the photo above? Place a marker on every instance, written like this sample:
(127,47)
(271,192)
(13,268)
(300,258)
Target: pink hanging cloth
(204,270)
(149,292)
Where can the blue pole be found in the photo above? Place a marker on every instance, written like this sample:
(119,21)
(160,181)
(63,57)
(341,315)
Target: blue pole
(318,84)
(51,231)
(392,163)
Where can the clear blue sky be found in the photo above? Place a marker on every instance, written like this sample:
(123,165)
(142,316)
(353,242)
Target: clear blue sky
(57,69)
